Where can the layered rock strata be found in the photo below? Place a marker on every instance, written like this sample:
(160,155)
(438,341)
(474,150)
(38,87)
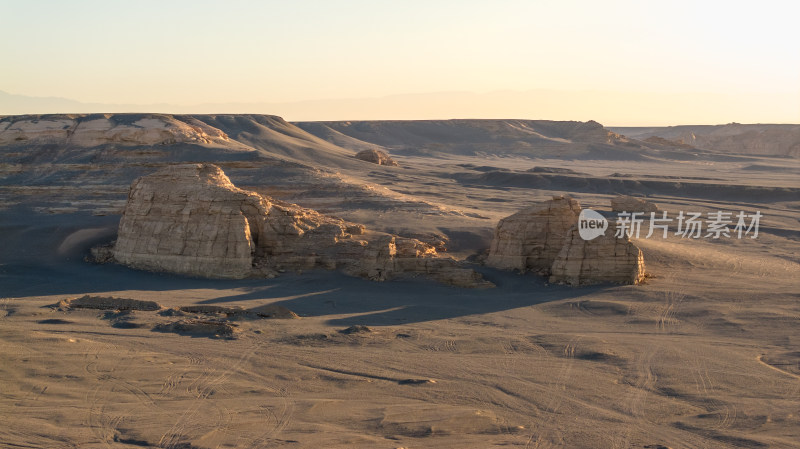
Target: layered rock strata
(103,129)
(190,219)
(604,259)
(545,239)
(530,239)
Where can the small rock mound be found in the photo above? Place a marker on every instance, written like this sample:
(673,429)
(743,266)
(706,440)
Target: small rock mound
(201,328)
(416,381)
(101,254)
(108,303)
(274,311)
(625,203)
(267,311)
(555,170)
(376,157)
(356,329)
(202,309)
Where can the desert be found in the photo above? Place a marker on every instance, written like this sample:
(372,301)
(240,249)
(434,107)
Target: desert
(482,336)
(261,224)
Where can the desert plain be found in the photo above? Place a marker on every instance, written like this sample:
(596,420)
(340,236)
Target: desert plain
(704,354)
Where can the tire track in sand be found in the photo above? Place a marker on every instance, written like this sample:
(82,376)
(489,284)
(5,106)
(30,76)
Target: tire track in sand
(201,388)
(542,430)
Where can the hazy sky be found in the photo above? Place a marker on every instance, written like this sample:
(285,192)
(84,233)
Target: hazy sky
(197,52)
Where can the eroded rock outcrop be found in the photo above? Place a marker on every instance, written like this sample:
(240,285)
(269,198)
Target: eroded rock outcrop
(107,303)
(102,129)
(545,239)
(532,238)
(190,219)
(604,259)
(625,203)
(376,157)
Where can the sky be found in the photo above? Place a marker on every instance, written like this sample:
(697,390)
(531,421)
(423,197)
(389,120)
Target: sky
(617,62)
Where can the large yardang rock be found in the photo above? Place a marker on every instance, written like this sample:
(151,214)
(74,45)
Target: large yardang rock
(625,203)
(605,259)
(532,238)
(190,219)
(376,157)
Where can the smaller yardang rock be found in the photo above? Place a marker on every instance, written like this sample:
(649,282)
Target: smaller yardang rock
(545,239)
(605,259)
(206,328)
(376,157)
(625,203)
(531,238)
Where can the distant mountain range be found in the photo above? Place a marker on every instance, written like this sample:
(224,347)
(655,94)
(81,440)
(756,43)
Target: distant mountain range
(314,142)
(70,162)
(733,138)
(607,107)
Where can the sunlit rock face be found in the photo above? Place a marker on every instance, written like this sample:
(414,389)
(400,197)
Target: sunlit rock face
(544,238)
(191,220)
(530,239)
(605,259)
(104,129)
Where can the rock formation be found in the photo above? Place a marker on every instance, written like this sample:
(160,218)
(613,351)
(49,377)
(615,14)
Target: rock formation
(603,259)
(107,303)
(190,219)
(102,129)
(544,238)
(532,238)
(376,157)
(625,203)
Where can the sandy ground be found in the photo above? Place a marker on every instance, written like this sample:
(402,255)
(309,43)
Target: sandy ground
(705,355)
